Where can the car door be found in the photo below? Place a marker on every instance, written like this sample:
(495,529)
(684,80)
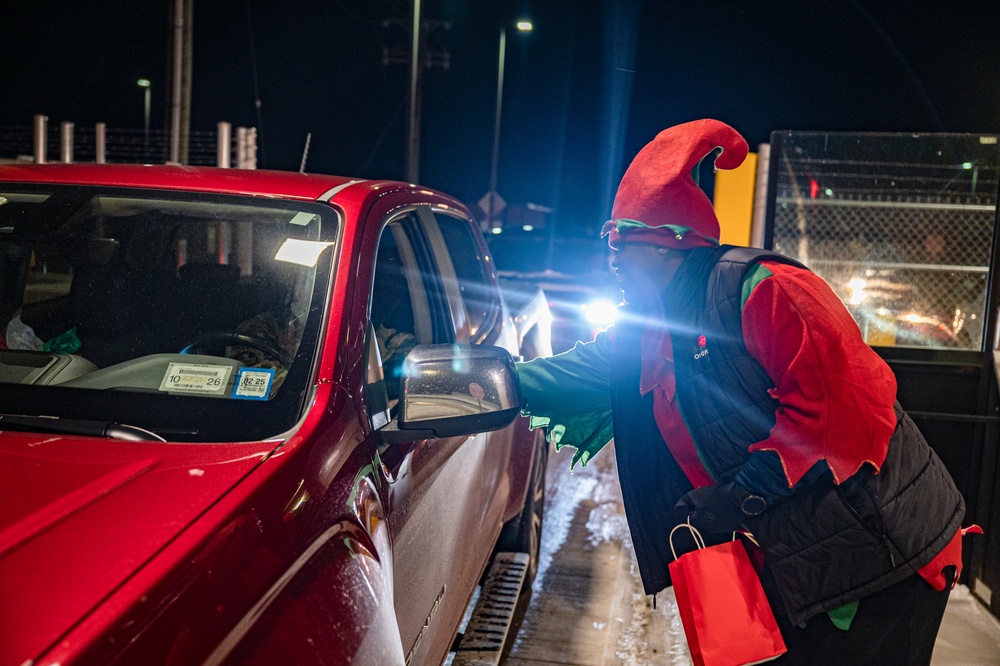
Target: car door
(434,486)
(472,290)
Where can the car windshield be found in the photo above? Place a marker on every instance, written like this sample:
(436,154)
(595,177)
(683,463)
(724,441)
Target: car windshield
(192,316)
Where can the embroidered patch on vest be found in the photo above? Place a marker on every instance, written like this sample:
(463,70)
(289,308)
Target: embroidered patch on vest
(702,350)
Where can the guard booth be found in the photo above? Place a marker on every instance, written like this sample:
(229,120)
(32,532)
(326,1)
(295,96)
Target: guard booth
(904,228)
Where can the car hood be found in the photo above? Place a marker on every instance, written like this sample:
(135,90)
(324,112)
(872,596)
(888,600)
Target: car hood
(78,516)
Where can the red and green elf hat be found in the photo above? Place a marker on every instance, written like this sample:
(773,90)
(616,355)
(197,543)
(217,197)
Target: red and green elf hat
(658,200)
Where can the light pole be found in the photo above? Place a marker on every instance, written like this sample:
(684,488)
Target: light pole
(145,85)
(492,209)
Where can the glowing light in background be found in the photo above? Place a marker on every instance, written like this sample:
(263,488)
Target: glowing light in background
(857,287)
(600,313)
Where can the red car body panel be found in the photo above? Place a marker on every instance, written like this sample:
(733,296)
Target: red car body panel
(67,503)
(279,551)
(279,184)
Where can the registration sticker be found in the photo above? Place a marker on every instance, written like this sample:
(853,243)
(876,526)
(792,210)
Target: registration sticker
(253,383)
(196,378)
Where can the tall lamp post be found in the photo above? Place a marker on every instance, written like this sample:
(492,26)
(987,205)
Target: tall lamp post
(146,87)
(492,209)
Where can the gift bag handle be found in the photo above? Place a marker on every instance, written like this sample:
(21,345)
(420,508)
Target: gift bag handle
(699,541)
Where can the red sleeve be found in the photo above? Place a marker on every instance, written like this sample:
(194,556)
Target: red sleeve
(835,395)
(933,571)
(951,556)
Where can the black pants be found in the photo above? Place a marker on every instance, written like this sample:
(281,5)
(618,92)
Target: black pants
(897,626)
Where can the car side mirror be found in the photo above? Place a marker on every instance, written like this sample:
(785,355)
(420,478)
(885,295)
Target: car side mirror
(453,390)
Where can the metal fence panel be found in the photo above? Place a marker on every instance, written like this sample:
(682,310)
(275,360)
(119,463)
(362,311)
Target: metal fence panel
(123,146)
(900,225)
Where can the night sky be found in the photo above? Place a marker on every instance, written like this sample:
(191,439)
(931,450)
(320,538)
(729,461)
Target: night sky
(583,92)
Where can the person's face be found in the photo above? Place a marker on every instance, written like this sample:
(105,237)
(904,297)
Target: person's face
(644,270)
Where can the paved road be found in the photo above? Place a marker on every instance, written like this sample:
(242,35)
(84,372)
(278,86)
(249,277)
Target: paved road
(587,606)
(588,609)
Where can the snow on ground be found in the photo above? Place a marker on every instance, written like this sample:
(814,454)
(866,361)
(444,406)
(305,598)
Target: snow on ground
(588,608)
(585,520)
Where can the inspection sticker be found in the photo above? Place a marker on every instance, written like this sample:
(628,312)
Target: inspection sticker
(253,383)
(196,378)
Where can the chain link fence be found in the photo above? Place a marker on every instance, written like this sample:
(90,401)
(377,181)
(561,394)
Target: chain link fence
(124,146)
(901,227)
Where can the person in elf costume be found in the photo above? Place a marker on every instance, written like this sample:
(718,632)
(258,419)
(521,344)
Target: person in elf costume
(740,395)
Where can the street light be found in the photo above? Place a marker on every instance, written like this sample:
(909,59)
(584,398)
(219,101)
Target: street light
(145,85)
(492,209)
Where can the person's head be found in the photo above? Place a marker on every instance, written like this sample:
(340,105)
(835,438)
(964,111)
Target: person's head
(660,210)
(644,270)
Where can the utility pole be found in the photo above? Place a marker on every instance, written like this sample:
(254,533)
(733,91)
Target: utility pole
(493,203)
(188,47)
(420,56)
(413,118)
(180,79)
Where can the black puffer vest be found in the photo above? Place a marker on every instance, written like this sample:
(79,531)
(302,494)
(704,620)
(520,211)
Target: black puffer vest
(826,545)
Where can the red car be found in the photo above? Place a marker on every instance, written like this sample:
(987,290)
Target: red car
(211,449)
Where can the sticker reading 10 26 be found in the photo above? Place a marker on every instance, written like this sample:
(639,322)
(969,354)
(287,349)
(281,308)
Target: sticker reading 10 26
(253,383)
(195,378)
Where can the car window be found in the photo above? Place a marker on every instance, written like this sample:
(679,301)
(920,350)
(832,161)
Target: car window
(125,293)
(408,305)
(399,313)
(471,266)
(48,280)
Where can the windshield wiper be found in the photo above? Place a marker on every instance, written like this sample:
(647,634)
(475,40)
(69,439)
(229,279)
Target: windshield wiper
(86,427)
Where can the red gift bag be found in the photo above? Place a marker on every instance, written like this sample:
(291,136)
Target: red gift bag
(727,619)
